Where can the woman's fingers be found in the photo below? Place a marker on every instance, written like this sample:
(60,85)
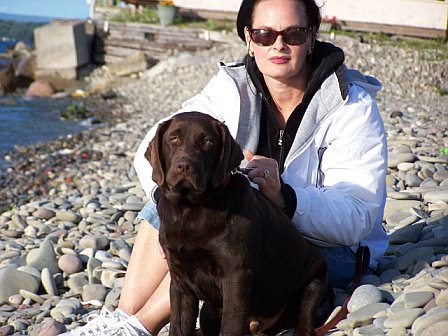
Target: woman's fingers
(248,155)
(266,175)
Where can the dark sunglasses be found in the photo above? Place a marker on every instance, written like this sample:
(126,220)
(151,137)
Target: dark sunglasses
(291,36)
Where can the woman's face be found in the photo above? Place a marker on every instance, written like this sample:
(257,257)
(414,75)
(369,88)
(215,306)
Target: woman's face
(280,61)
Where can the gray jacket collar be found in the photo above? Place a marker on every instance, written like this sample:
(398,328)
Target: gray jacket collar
(324,102)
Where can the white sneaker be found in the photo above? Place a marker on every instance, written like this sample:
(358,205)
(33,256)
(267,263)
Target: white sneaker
(107,323)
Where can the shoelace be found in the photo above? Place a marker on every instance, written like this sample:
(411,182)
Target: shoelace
(98,325)
(118,328)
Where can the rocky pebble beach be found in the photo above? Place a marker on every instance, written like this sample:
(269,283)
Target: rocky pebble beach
(67,236)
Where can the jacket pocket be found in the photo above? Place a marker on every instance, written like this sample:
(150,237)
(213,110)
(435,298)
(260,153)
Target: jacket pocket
(320,176)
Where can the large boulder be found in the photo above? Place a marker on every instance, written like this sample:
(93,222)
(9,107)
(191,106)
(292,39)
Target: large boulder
(40,88)
(8,81)
(25,64)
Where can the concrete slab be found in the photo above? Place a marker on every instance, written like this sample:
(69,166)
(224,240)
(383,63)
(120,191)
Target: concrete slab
(62,45)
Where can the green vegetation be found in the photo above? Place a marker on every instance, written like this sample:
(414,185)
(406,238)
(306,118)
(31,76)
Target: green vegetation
(403,41)
(75,111)
(9,207)
(442,91)
(220,25)
(149,15)
(19,31)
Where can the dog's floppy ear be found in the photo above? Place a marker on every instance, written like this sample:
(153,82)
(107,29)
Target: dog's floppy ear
(154,154)
(229,158)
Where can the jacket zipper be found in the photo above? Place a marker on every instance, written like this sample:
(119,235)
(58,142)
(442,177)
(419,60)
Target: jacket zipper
(282,148)
(280,138)
(280,141)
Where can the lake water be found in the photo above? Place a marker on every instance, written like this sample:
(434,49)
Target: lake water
(25,121)
(4,45)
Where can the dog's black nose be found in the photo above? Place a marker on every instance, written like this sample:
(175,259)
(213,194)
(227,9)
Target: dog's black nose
(184,166)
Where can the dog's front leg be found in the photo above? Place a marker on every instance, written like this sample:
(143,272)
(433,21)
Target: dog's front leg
(236,296)
(312,296)
(184,310)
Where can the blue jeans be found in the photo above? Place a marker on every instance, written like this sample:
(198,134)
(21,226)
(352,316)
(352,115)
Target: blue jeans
(341,260)
(341,263)
(149,213)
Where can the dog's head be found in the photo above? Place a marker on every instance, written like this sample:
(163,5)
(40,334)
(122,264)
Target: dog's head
(191,156)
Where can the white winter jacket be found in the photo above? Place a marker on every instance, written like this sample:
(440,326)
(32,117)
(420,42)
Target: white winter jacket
(337,162)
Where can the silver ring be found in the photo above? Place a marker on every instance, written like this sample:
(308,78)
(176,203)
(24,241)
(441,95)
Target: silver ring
(266,173)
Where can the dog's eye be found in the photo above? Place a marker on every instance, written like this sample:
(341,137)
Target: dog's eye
(208,141)
(174,139)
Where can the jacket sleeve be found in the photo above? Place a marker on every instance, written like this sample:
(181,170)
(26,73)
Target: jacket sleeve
(207,101)
(344,209)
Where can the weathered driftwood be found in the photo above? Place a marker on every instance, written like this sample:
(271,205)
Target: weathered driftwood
(125,38)
(153,53)
(152,45)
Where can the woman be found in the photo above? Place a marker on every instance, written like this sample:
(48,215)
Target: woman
(299,114)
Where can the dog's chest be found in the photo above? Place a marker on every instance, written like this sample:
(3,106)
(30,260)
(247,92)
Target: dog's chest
(197,265)
(193,243)
(190,238)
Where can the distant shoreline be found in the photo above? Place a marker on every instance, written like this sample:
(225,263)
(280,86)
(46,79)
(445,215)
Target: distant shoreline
(18,28)
(24,18)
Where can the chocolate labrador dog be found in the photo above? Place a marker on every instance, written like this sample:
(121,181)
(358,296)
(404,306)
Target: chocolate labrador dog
(225,243)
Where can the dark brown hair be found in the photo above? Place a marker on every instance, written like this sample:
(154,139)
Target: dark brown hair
(245,15)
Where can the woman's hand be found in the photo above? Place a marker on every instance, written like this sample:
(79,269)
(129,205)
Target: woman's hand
(266,175)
